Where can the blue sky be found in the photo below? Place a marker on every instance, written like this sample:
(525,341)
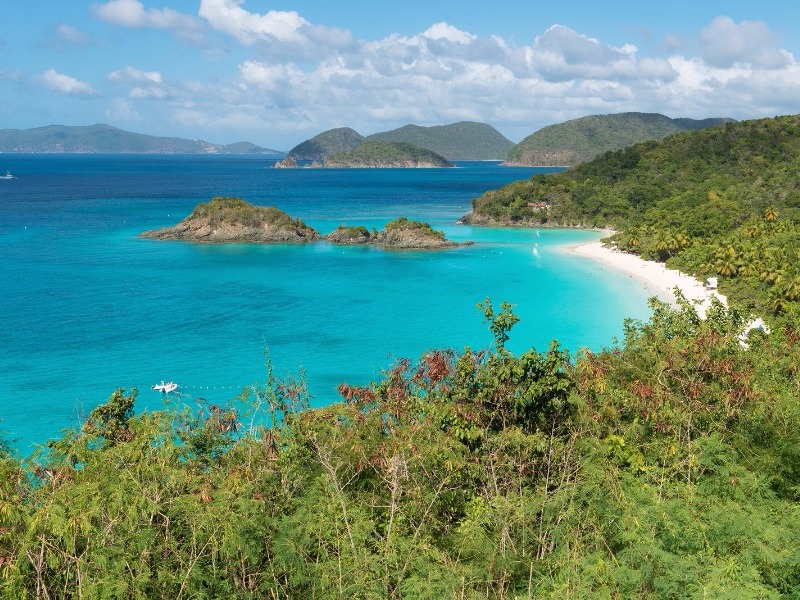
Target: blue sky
(277,73)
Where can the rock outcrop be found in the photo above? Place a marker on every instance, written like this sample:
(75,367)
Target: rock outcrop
(287,163)
(347,236)
(230,220)
(401,234)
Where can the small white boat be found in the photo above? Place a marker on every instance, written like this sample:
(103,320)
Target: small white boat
(8,175)
(165,388)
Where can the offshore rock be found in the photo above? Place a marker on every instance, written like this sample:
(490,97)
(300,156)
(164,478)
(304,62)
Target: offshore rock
(231,220)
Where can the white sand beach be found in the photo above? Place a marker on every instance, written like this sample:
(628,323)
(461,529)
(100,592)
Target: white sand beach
(657,278)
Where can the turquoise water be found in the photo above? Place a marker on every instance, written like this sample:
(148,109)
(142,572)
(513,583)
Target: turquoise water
(88,307)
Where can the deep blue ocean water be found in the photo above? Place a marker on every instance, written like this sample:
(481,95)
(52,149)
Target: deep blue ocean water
(87,306)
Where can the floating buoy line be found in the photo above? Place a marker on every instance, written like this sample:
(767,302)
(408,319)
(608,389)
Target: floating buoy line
(171,386)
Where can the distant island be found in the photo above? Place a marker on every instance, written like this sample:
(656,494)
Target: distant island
(233,220)
(372,155)
(319,147)
(465,140)
(579,140)
(105,139)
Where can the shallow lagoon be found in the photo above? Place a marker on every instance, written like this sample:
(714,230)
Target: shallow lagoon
(88,307)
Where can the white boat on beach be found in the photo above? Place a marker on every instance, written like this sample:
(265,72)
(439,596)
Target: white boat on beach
(8,175)
(165,388)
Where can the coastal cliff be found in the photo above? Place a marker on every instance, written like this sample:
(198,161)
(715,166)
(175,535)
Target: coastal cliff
(227,220)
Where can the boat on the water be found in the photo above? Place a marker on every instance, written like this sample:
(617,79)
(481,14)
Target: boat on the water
(165,388)
(8,175)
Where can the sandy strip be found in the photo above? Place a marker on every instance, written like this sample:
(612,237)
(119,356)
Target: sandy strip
(658,279)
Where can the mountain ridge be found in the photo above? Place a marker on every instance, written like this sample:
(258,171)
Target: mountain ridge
(579,140)
(107,139)
(464,140)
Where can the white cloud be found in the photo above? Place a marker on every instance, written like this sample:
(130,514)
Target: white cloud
(71,35)
(121,110)
(298,78)
(64,84)
(132,13)
(143,84)
(726,44)
(280,32)
(129,74)
(443,31)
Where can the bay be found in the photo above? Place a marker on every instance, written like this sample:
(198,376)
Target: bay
(87,306)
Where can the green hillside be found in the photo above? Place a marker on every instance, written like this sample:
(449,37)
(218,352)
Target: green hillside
(342,139)
(721,201)
(386,154)
(583,139)
(465,140)
(105,139)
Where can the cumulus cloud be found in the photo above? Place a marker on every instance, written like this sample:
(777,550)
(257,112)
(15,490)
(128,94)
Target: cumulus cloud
(297,76)
(129,74)
(562,54)
(71,35)
(443,31)
(132,13)
(726,44)
(280,32)
(121,110)
(64,84)
(142,84)
(444,74)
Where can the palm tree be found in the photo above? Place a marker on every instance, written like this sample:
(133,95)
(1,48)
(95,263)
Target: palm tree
(771,214)
(776,301)
(789,287)
(726,261)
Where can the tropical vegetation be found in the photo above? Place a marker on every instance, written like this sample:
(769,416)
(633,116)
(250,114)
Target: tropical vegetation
(465,140)
(322,145)
(720,202)
(386,154)
(664,468)
(580,140)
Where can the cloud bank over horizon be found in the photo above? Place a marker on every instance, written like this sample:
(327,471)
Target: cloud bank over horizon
(279,78)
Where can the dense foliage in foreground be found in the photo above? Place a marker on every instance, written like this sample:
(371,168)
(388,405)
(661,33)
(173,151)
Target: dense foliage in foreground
(666,468)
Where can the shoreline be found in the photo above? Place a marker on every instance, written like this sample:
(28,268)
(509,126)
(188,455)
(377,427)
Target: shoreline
(657,278)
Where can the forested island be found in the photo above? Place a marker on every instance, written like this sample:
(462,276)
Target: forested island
(370,155)
(665,467)
(233,220)
(465,140)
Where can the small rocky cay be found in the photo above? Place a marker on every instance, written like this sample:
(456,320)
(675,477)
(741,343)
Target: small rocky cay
(233,220)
